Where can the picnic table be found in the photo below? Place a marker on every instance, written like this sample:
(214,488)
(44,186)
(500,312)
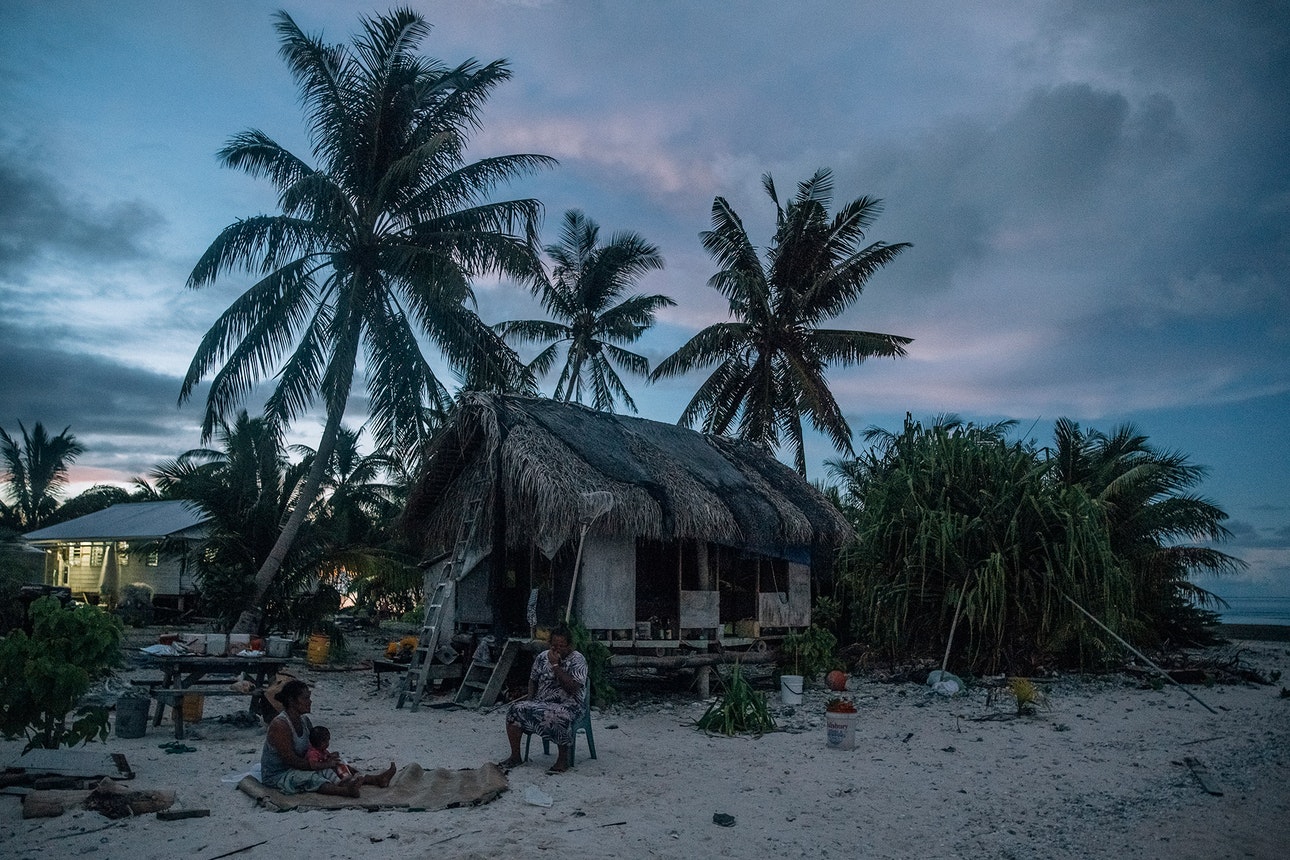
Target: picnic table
(193,675)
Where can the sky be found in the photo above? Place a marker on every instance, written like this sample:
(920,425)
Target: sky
(1097,195)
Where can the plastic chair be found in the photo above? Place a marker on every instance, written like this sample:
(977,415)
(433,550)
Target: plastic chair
(583,725)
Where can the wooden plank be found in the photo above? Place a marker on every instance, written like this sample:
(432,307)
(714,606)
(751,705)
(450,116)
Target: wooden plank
(85,764)
(1207,780)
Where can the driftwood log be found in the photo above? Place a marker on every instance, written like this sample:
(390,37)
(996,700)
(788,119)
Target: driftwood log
(688,661)
(702,662)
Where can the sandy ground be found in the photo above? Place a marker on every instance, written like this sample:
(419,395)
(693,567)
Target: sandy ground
(1099,773)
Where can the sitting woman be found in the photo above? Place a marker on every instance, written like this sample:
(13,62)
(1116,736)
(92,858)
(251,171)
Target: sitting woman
(555,702)
(284,762)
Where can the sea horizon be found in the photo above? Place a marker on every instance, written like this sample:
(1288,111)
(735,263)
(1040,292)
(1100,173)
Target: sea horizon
(1256,610)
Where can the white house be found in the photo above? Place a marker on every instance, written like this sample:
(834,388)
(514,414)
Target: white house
(140,542)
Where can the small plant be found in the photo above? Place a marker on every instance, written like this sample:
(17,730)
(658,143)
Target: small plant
(740,709)
(596,653)
(43,676)
(809,652)
(1028,696)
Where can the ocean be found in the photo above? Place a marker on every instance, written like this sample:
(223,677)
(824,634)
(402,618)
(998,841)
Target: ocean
(1256,610)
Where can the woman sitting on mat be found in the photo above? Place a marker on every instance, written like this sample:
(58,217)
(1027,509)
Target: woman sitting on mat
(554,704)
(283,761)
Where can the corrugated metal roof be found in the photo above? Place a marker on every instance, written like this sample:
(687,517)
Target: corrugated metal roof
(133,521)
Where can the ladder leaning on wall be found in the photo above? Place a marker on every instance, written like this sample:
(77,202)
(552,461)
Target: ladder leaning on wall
(437,601)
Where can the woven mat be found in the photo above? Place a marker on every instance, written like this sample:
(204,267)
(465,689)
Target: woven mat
(412,788)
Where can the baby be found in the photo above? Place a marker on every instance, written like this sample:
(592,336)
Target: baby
(319,740)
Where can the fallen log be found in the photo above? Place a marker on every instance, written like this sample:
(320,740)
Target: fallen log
(689,661)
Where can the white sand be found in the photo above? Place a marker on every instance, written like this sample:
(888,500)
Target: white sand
(1100,773)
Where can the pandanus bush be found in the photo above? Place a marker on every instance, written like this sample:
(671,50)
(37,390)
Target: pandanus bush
(963,534)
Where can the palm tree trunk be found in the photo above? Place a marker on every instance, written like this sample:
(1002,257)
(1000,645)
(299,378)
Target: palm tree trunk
(249,620)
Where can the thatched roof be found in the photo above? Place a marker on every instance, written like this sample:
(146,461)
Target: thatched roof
(667,481)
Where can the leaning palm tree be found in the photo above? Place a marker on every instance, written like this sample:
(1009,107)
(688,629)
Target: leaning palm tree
(772,359)
(374,249)
(591,315)
(35,470)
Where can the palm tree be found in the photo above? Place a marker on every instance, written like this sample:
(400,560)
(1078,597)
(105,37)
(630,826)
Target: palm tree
(772,359)
(364,552)
(245,485)
(590,314)
(36,473)
(1158,527)
(373,251)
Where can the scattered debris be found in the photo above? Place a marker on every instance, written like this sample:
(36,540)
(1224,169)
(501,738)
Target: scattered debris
(721,819)
(537,796)
(1203,776)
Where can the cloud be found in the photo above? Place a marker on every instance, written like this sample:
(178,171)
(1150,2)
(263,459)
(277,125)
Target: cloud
(125,416)
(40,218)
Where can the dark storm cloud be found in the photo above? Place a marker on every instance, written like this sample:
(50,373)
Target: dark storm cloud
(40,216)
(125,416)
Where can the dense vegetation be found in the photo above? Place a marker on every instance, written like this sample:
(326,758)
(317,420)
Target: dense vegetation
(961,529)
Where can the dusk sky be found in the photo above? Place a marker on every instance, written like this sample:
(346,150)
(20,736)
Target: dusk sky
(1097,193)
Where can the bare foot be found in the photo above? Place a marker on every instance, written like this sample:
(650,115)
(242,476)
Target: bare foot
(557,768)
(382,779)
(510,763)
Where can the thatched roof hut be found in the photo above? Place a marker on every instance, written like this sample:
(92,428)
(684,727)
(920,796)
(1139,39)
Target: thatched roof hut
(689,513)
(668,482)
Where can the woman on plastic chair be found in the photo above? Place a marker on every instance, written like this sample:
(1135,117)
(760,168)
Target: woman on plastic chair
(554,704)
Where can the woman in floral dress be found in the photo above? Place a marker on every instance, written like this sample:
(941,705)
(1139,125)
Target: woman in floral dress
(555,702)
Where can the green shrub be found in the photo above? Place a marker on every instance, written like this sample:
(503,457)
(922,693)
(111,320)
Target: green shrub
(809,652)
(740,709)
(597,655)
(43,676)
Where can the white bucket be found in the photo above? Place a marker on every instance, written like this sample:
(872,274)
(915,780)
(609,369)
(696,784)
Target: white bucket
(841,730)
(279,646)
(216,644)
(790,689)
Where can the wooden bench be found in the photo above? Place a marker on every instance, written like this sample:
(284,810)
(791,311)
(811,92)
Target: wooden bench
(173,696)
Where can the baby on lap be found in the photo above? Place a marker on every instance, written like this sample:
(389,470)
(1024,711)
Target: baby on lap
(319,740)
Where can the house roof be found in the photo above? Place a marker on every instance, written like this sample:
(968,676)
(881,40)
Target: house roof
(665,481)
(131,521)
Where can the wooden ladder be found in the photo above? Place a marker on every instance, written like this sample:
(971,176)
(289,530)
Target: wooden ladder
(483,681)
(414,683)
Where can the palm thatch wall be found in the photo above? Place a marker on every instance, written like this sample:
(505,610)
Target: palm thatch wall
(668,482)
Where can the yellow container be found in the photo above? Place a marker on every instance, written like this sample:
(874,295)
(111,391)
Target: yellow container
(319,649)
(192,706)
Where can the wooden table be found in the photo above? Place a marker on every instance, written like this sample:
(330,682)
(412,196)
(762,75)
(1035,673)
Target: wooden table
(185,671)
